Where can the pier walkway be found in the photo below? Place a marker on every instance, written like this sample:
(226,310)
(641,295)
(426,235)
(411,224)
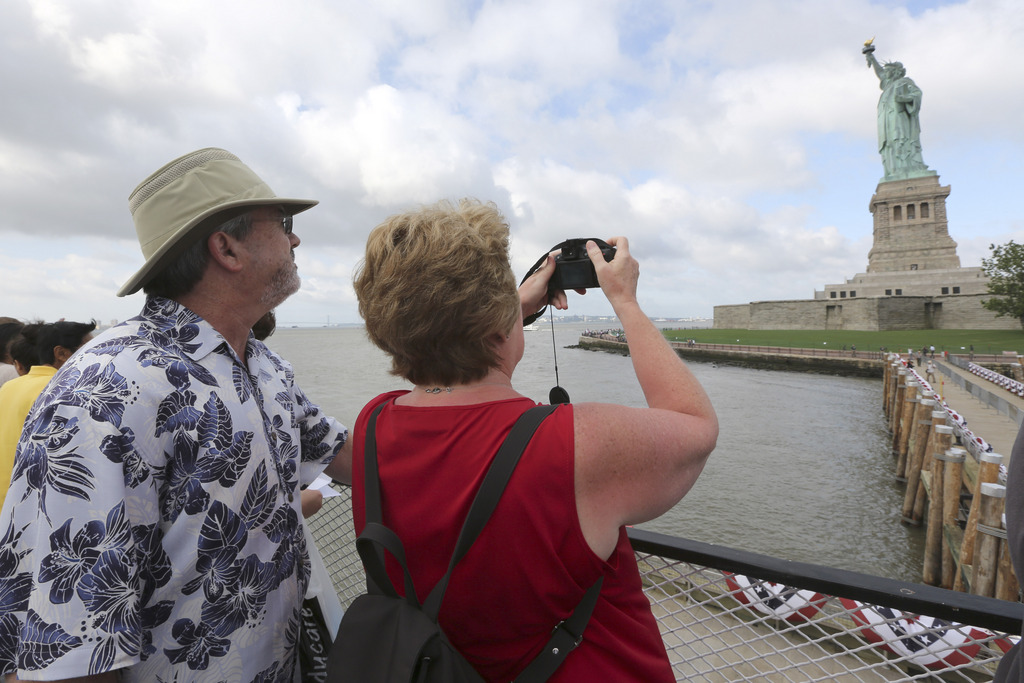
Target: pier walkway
(992,412)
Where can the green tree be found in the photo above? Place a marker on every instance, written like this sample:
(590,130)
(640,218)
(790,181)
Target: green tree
(1006,280)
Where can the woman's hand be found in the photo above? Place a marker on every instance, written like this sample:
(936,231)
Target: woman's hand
(533,294)
(619,276)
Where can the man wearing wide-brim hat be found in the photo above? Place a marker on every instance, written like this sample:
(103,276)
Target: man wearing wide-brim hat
(153,528)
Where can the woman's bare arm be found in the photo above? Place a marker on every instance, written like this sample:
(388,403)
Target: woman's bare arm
(634,464)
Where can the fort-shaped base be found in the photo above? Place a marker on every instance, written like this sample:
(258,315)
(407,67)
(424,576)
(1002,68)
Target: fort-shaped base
(911,232)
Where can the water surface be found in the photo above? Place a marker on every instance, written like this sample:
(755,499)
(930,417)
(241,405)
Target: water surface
(802,470)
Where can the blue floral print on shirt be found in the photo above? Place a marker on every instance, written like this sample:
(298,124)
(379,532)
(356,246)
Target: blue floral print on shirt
(153,520)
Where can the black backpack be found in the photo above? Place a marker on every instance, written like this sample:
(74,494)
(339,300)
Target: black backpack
(387,638)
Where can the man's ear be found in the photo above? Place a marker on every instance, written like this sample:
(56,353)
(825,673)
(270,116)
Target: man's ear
(224,251)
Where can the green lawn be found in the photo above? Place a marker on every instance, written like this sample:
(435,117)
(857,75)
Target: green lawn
(985,341)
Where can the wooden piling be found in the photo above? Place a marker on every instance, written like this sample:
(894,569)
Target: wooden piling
(939,440)
(951,484)
(988,473)
(887,370)
(897,405)
(986,555)
(915,459)
(889,392)
(1007,585)
(890,389)
(932,574)
(911,401)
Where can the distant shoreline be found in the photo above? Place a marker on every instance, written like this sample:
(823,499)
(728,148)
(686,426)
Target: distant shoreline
(870,365)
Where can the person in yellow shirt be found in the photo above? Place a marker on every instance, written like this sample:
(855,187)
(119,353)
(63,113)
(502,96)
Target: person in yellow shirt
(54,342)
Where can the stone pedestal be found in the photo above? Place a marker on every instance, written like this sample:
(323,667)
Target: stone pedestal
(910,227)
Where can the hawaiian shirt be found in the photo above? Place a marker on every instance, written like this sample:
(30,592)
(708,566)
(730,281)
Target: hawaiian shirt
(153,520)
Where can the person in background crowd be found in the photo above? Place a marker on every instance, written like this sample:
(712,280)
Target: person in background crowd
(929,370)
(54,342)
(168,545)
(438,295)
(24,352)
(9,328)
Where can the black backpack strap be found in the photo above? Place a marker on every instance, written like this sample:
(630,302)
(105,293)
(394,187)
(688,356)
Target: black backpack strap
(371,475)
(489,493)
(566,635)
(480,510)
(374,537)
(564,639)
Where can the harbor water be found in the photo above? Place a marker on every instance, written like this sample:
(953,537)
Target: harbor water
(802,470)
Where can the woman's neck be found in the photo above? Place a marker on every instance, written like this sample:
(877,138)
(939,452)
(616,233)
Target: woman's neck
(495,386)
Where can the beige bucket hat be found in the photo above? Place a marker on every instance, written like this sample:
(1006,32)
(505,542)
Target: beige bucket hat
(189,197)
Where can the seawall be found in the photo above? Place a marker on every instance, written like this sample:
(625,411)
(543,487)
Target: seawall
(846,366)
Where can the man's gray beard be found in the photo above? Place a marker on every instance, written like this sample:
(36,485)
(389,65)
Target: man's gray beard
(284,283)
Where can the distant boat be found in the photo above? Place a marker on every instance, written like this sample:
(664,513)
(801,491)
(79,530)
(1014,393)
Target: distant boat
(530,328)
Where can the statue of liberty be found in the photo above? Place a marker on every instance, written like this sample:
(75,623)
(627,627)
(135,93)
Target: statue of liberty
(899,128)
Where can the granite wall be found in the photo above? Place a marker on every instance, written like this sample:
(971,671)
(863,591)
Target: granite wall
(956,312)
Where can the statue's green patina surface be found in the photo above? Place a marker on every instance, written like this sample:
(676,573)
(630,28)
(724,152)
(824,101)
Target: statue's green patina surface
(899,125)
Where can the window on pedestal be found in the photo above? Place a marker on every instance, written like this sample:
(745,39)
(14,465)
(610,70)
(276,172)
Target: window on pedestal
(910,212)
(956,290)
(897,213)
(924,209)
(945,290)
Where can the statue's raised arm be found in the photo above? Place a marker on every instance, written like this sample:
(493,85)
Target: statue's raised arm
(899,128)
(869,54)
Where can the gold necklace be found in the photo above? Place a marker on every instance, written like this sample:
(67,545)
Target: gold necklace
(438,390)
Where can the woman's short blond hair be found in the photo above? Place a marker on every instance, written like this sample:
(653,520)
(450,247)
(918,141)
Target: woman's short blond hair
(435,285)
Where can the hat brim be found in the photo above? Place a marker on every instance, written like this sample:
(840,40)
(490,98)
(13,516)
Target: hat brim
(201,226)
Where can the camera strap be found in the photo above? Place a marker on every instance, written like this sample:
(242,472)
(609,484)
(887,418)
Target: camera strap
(557,393)
(530,319)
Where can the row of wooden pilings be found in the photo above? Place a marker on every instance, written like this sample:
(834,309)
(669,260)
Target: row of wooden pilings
(965,545)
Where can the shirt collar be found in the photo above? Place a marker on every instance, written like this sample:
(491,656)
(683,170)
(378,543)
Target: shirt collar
(179,325)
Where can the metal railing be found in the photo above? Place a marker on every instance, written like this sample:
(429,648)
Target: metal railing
(730,615)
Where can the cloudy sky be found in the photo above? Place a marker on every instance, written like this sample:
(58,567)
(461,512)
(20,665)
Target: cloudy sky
(733,142)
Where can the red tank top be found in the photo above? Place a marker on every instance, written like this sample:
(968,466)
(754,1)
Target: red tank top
(531,564)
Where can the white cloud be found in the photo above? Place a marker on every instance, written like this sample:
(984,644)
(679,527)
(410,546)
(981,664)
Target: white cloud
(732,142)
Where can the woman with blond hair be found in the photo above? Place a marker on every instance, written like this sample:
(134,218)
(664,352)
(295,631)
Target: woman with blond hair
(438,295)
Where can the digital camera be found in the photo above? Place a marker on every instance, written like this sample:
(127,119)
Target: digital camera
(573,268)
